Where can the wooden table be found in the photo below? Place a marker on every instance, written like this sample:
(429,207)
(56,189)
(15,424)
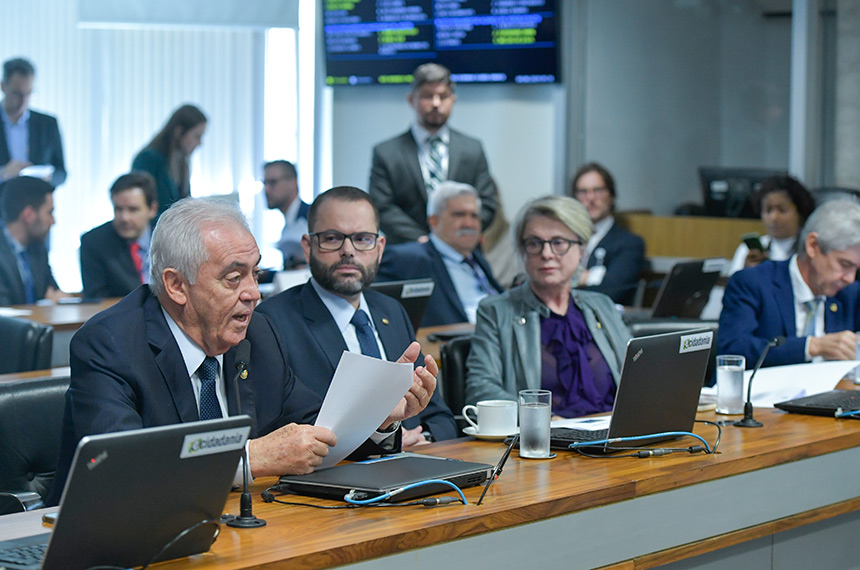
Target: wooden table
(796,476)
(66,318)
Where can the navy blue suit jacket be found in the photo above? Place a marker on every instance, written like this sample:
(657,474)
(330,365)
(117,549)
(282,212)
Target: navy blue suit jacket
(45,145)
(759,304)
(316,344)
(107,269)
(624,261)
(421,260)
(128,373)
(11,285)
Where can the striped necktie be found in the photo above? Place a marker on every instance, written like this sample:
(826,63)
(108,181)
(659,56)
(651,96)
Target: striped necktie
(435,173)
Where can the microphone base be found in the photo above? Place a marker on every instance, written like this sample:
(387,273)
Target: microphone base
(246,522)
(746,422)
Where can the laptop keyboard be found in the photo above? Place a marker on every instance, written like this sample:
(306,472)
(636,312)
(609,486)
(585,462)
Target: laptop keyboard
(565,436)
(847,400)
(24,556)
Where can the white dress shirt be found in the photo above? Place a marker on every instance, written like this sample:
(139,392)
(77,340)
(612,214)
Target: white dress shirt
(803,294)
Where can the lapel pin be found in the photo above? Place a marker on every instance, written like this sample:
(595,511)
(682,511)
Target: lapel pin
(384,321)
(522,321)
(243,375)
(833,307)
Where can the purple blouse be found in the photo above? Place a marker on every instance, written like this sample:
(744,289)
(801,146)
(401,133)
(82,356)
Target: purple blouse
(572,366)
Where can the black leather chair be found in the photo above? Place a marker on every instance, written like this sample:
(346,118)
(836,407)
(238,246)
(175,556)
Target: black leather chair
(27,345)
(31,418)
(453,375)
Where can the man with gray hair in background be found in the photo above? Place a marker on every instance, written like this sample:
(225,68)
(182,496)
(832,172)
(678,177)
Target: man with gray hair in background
(811,299)
(164,353)
(450,257)
(407,169)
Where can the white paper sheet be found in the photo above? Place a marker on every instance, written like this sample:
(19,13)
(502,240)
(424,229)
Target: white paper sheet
(592,424)
(779,383)
(10,312)
(363,392)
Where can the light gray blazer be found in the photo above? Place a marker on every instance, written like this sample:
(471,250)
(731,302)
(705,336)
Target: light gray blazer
(506,351)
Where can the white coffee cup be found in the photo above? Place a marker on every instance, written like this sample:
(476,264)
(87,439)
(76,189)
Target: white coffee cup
(493,417)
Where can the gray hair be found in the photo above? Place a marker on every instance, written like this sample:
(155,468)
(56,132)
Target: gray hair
(836,223)
(560,208)
(430,73)
(445,191)
(177,241)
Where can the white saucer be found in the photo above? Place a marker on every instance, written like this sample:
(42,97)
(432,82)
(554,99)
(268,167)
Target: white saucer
(470,430)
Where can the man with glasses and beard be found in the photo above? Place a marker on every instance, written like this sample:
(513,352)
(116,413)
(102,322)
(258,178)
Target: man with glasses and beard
(450,257)
(336,311)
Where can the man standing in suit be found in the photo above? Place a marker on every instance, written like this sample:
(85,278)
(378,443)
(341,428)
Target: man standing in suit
(280,184)
(27,137)
(811,299)
(408,168)
(115,255)
(28,213)
(165,353)
(461,275)
(615,256)
(335,311)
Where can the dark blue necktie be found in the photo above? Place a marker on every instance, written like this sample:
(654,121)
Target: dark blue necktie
(483,284)
(366,338)
(27,278)
(210,409)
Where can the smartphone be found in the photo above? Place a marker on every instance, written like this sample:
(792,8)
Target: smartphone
(753,241)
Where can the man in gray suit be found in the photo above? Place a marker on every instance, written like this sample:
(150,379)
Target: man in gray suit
(407,168)
(26,137)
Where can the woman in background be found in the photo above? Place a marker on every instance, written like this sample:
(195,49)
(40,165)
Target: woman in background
(166,156)
(542,333)
(785,204)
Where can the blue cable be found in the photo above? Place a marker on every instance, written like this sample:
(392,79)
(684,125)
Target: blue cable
(641,437)
(841,414)
(390,494)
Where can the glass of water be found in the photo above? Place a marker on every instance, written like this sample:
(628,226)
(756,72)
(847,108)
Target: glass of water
(730,384)
(535,417)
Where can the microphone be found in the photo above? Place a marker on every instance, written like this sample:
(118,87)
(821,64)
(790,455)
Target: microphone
(748,420)
(246,518)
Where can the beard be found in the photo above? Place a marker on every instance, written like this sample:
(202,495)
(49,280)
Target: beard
(324,275)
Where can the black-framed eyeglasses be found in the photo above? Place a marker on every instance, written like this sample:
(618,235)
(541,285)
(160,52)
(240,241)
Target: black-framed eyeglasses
(558,245)
(332,240)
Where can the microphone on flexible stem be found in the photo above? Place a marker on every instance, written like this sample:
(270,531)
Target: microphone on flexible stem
(748,420)
(246,518)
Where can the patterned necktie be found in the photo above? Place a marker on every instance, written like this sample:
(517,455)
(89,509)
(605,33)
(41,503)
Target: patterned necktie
(812,310)
(134,247)
(435,173)
(27,278)
(210,409)
(483,284)
(366,338)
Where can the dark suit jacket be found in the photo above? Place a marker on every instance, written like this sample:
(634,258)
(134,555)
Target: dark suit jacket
(107,268)
(316,344)
(11,285)
(46,146)
(759,304)
(421,260)
(397,185)
(624,262)
(128,373)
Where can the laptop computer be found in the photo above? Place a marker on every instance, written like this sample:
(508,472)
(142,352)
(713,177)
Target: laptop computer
(684,291)
(413,294)
(130,493)
(375,477)
(824,404)
(658,391)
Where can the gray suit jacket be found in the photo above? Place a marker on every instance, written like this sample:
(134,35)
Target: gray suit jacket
(506,352)
(397,185)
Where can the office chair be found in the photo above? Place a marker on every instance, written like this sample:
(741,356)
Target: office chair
(31,423)
(27,345)
(453,375)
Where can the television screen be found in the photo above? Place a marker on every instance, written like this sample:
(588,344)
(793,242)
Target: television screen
(370,42)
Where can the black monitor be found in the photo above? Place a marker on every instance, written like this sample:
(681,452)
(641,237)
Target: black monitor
(729,191)
(375,42)
(413,294)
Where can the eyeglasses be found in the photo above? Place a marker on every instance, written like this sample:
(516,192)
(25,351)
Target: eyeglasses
(558,245)
(333,240)
(586,191)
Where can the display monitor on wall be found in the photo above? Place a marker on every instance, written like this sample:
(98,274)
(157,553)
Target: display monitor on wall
(369,42)
(729,191)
